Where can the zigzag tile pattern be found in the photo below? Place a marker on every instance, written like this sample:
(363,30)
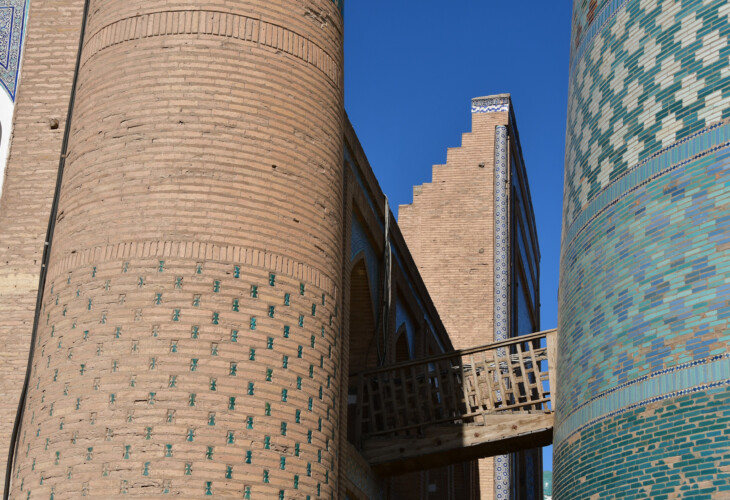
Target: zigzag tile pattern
(657,72)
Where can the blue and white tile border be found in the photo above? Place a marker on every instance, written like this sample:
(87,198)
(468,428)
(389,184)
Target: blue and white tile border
(489,104)
(13,22)
(12,34)
(501,279)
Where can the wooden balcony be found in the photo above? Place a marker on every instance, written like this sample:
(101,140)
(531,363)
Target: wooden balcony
(458,406)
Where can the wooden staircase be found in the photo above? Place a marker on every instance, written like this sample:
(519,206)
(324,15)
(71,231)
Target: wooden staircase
(459,406)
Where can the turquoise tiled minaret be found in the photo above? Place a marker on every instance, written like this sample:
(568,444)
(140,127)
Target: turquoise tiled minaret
(644,375)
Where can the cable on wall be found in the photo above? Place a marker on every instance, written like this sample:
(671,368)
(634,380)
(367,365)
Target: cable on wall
(44,262)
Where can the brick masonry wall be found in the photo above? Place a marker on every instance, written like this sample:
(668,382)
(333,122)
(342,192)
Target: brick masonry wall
(52,39)
(189,333)
(450,226)
(644,302)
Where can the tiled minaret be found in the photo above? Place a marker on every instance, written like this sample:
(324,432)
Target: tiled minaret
(644,361)
(187,343)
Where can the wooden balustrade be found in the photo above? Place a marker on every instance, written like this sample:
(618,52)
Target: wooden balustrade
(461,387)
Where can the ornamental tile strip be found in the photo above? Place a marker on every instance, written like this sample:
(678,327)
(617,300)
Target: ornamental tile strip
(664,384)
(501,279)
(489,105)
(680,153)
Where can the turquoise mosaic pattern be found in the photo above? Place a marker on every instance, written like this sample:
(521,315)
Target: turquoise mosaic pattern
(646,285)
(664,384)
(589,16)
(676,448)
(12,32)
(654,73)
(680,153)
(645,280)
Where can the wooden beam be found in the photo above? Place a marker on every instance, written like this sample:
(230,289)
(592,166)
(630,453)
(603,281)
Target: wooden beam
(552,352)
(449,444)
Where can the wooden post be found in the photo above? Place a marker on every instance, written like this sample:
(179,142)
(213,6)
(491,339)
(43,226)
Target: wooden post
(552,353)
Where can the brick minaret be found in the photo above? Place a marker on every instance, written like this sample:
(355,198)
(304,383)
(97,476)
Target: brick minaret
(187,337)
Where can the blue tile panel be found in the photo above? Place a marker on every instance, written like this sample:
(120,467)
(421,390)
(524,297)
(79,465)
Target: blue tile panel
(646,285)
(12,31)
(403,319)
(674,448)
(647,74)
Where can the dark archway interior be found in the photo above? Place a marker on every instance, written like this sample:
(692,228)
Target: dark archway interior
(402,351)
(362,331)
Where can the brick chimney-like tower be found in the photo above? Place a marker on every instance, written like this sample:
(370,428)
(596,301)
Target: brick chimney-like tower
(187,341)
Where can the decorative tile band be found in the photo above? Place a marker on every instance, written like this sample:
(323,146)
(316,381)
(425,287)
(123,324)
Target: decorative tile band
(213,23)
(680,153)
(501,258)
(12,33)
(664,384)
(489,104)
(606,14)
(501,277)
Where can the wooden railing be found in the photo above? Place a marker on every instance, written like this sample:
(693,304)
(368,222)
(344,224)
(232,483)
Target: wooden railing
(460,387)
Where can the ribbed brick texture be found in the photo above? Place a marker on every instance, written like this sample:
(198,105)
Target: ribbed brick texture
(189,330)
(52,40)
(450,225)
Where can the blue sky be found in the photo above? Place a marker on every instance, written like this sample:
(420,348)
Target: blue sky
(411,69)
